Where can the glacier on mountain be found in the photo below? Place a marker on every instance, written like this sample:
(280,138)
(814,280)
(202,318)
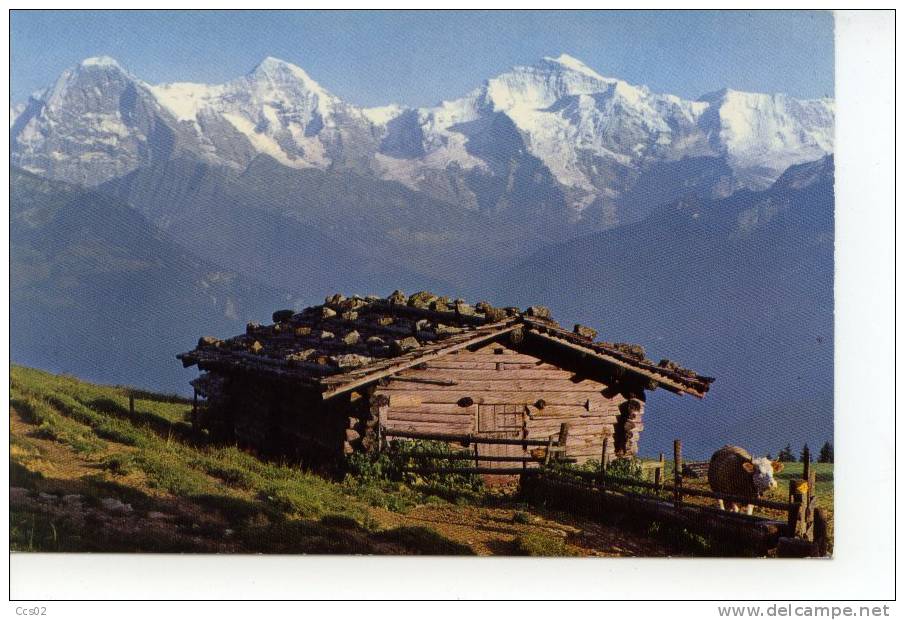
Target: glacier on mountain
(596,135)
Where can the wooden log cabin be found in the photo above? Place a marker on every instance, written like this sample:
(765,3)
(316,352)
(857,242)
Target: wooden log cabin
(334,378)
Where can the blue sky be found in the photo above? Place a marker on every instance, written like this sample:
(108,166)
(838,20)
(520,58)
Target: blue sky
(419,58)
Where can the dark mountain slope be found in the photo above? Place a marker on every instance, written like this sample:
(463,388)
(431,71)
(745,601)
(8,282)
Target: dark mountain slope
(739,288)
(98,291)
(311,231)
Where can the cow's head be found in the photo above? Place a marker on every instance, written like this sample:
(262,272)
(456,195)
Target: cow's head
(762,471)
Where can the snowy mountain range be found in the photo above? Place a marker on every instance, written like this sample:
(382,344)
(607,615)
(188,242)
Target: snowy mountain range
(554,137)
(702,228)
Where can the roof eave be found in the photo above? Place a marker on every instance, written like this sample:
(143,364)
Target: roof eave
(661,380)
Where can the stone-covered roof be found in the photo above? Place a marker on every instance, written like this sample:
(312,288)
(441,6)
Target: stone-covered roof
(350,341)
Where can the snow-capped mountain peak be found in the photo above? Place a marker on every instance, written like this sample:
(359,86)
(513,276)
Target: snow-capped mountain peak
(573,64)
(543,83)
(100,61)
(591,135)
(285,76)
(767,133)
(381,115)
(96,121)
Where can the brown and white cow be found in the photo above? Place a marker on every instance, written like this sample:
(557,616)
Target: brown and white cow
(732,471)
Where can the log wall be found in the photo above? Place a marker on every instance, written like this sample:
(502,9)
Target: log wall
(280,421)
(495,390)
(457,393)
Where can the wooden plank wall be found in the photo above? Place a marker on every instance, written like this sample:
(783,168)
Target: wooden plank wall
(279,421)
(443,396)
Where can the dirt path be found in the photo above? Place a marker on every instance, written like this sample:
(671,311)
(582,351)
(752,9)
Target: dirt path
(495,530)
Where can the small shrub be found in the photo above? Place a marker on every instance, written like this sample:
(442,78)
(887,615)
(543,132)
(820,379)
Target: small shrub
(626,468)
(538,544)
(521,517)
(369,468)
(450,486)
(376,477)
(119,464)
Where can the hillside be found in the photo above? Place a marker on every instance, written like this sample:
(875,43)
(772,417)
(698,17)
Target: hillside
(98,291)
(739,288)
(86,475)
(312,232)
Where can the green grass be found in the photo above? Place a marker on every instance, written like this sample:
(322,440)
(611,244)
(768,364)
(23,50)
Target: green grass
(152,460)
(537,544)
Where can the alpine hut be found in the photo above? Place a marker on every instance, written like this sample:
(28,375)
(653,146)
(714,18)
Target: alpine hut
(334,378)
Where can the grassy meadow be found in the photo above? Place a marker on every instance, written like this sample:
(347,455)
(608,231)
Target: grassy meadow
(88,475)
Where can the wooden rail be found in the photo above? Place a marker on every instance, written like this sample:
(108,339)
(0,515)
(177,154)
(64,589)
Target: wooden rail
(729,531)
(685,490)
(499,471)
(469,456)
(466,439)
(803,533)
(554,449)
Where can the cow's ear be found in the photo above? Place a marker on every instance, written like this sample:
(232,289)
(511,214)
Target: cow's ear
(748,466)
(777,466)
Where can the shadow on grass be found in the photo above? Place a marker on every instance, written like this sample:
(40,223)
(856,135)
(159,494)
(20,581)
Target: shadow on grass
(160,425)
(423,541)
(172,399)
(202,523)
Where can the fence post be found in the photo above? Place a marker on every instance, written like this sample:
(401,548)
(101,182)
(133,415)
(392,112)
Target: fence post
(658,472)
(806,456)
(563,438)
(795,508)
(525,452)
(548,454)
(132,404)
(677,473)
(811,505)
(604,460)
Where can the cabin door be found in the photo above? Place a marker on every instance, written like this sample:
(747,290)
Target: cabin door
(500,421)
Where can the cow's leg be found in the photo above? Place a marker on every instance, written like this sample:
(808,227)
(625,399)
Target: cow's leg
(721,504)
(750,509)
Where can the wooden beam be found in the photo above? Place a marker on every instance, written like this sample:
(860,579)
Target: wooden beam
(666,382)
(468,456)
(492,331)
(487,471)
(465,439)
(423,380)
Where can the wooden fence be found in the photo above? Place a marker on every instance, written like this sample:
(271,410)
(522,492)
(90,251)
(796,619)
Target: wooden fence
(801,533)
(546,451)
